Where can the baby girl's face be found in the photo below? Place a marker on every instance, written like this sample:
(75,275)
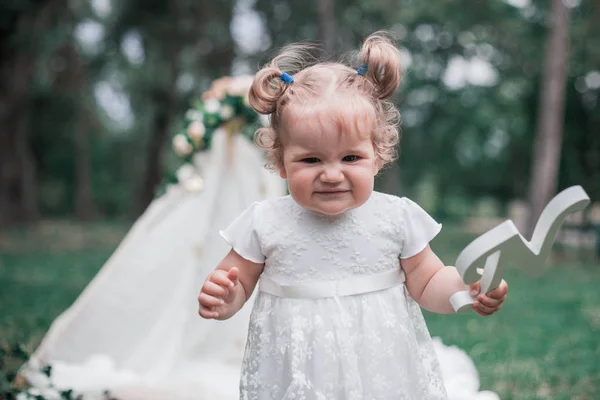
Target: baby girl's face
(328,171)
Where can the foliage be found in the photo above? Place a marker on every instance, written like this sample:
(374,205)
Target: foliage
(472,138)
(469,138)
(17,355)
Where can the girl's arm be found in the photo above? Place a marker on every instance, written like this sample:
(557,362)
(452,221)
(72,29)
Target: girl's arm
(431,284)
(228,287)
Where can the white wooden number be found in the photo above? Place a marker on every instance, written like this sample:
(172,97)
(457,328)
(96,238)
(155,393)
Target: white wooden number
(504,245)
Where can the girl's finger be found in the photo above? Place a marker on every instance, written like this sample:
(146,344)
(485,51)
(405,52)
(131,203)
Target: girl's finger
(207,313)
(486,313)
(207,300)
(233,274)
(489,301)
(499,292)
(474,289)
(220,278)
(214,289)
(482,308)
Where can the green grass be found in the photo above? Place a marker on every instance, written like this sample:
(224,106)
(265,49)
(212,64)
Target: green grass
(35,288)
(43,270)
(544,344)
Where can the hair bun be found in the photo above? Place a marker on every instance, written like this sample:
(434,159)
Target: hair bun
(382,60)
(266,90)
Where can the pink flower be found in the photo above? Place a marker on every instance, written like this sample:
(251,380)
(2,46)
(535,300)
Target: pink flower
(196,131)
(181,145)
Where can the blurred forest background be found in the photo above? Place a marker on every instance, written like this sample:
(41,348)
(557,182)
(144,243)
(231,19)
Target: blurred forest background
(91,91)
(500,110)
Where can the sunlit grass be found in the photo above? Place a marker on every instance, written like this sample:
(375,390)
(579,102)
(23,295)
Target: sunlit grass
(544,344)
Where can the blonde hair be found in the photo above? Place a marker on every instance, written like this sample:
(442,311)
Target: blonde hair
(361,101)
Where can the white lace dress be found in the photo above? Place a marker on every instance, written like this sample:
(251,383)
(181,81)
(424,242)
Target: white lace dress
(318,330)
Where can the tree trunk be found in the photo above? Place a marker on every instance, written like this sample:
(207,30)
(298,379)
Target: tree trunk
(75,83)
(153,173)
(84,203)
(18,178)
(22,172)
(28,210)
(5,145)
(7,168)
(327,25)
(548,136)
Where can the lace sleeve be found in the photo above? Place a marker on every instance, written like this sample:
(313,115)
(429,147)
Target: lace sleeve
(419,228)
(241,235)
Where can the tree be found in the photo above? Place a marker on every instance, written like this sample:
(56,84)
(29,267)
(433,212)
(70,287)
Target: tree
(548,136)
(75,84)
(19,51)
(327,25)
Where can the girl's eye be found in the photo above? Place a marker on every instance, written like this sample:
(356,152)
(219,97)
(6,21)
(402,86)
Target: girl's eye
(350,158)
(310,160)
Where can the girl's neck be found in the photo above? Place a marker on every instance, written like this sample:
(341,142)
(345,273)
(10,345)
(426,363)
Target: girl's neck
(329,217)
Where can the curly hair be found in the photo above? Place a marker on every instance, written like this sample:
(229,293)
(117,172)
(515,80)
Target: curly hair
(336,91)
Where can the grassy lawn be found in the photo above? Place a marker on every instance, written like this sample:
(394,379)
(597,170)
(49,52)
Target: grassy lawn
(544,344)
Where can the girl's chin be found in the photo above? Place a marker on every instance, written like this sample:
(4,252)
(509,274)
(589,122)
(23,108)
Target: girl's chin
(330,209)
(328,206)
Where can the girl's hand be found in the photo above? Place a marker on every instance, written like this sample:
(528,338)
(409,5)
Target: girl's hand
(489,303)
(218,293)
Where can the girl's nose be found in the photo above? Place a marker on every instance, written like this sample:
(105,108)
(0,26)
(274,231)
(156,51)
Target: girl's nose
(332,174)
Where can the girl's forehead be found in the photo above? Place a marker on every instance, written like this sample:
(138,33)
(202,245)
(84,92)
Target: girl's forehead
(308,135)
(336,117)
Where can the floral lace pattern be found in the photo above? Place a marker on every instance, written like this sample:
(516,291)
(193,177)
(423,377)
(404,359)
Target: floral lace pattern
(312,247)
(370,346)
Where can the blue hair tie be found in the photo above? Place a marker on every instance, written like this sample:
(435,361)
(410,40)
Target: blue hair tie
(363,69)
(287,78)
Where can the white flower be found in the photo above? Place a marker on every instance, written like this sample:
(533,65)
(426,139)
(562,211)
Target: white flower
(194,184)
(189,178)
(226,112)
(196,131)
(181,145)
(212,106)
(193,115)
(185,172)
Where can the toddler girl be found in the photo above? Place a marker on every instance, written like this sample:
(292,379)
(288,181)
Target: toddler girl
(343,269)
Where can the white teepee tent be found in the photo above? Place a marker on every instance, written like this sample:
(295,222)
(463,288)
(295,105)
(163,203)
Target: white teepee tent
(135,329)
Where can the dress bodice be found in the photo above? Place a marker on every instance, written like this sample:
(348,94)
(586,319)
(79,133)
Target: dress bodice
(297,245)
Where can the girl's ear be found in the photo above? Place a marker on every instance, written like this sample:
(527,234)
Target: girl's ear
(282,173)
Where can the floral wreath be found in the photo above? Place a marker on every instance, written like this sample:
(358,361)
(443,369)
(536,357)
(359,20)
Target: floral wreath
(225,101)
